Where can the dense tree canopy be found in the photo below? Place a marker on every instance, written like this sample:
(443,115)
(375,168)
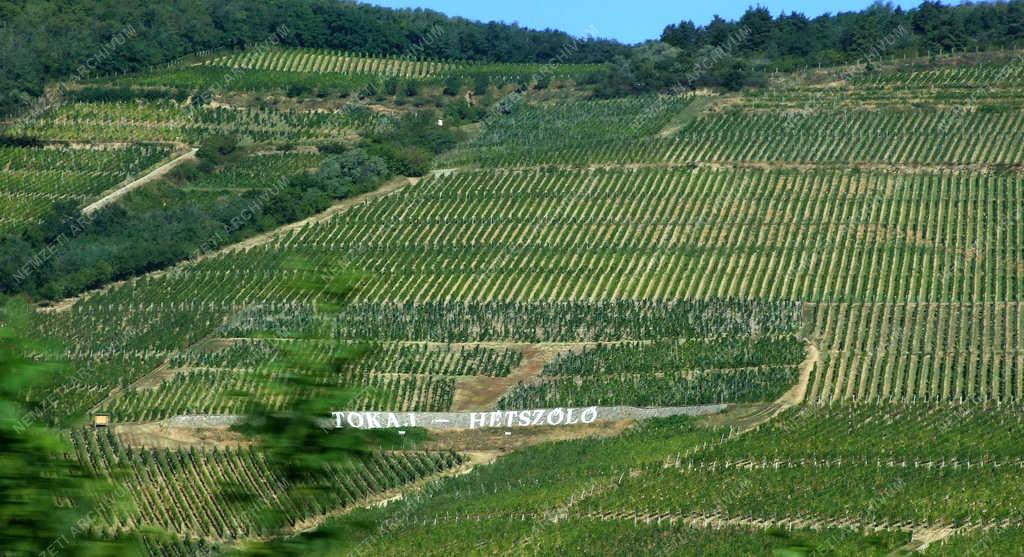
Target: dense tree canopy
(724,53)
(931,27)
(794,39)
(44,41)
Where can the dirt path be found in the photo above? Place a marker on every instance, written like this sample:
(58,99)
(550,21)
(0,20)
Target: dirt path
(905,168)
(798,393)
(158,375)
(793,397)
(153,175)
(387,188)
(482,393)
(380,499)
(162,373)
(924,537)
(743,418)
(151,380)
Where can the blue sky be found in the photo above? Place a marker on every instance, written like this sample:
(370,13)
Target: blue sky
(626,20)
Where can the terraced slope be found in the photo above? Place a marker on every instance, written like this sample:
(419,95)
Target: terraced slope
(34,178)
(881,234)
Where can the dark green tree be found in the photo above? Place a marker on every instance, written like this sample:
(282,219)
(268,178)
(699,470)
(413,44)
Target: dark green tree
(759,25)
(217,149)
(452,86)
(683,35)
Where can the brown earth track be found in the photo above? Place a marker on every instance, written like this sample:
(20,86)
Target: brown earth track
(129,186)
(483,393)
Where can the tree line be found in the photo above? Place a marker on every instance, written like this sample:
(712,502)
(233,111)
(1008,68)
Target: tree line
(46,41)
(51,40)
(735,54)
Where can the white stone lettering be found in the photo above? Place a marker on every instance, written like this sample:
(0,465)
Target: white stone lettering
(470,420)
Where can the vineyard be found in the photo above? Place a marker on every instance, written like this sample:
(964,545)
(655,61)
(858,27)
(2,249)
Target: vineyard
(517,534)
(949,91)
(663,373)
(297,60)
(920,464)
(995,541)
(324,61)
(406,377)
(841,264)
(141,323)
(535,132)
(170,121)
(443,258)
(184,490)
(855,477)
(33,179)
(834,138)
(1010,74)
(825,236)
(257,172)
(269,69)
(954,352)
(925,432)
(651,234)
(244,183)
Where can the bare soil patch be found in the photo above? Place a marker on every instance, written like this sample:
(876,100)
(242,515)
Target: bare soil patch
(482,393)
(156,435)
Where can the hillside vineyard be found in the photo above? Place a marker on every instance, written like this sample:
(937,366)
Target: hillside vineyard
(838,262)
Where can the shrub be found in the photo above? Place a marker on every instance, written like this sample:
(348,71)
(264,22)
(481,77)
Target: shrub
(351,172)
(407,160)
(217,149)
(299,90)
(452,86)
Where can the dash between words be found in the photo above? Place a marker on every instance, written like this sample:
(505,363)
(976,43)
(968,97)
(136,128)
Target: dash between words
(468,420)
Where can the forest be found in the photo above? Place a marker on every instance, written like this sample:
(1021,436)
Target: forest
(43,41)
